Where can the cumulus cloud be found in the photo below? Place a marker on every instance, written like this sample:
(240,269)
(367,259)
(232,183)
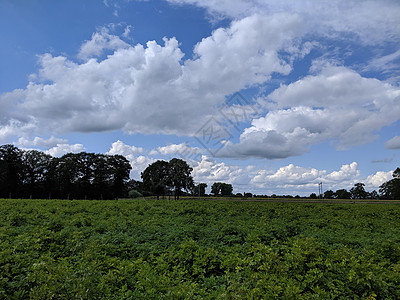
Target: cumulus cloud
(393,143)
(137,161)
(209,171)
(370,21)
(346,173)
(61,149)
(295,179)
(121,148)
(337,104)
(375,180)
(148,88)
(41,142)
(100,41)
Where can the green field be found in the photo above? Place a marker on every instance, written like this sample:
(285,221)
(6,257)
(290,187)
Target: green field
(146,249)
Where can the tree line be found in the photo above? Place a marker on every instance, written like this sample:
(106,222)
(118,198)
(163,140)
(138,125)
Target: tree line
(34,174)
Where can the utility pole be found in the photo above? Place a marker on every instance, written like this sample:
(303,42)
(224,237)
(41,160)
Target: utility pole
(320,190)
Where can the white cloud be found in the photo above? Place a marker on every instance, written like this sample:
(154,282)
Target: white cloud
(41,142)
(180,151)
(346,173)
(149,89)
(138,162)
(61,149)
(376,180)
(100,41)
(336,104)
(288,175)
(293,179)
(209,171)
(121,148)
(393,143)
(370,21)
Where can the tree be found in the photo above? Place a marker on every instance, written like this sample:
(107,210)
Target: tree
(226,189)
(391,188)
(36,166)
(329,194)
(342,194)
(313,196)
(373,195)
(179,176)
(120,169)
(66,176)
(221,189)
(215,188)
(358,191)
(200,189)
(11,170)
(155,178)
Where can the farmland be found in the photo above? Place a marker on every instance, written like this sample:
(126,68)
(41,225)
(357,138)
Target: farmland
(192,249)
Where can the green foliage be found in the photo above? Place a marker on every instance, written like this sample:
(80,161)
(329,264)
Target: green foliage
(134,194)
(161,176)
(221,189)
(141,249)
(391,188)
(358,191)
(34,174)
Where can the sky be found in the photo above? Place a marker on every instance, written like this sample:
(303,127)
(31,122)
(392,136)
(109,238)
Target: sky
(272,97)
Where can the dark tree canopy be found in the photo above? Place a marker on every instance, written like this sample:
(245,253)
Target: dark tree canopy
(11,171)
(156,178)
(34,174)
(342,194)
(391,189)
(358,191)
(199,189)
(161,176)
(179,176)
(221,189)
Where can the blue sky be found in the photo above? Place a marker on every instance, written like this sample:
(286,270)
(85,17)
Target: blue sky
(270,96)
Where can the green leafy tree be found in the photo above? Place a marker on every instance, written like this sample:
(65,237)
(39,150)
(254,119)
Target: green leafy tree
(358,191)
(66,176)
(221,189)
(391,188)
(226,189)
(342,194)
(11,171)
(216,188)
(156,177)
(199,189)
(179,176)
(36,166)
(329,194)
(120,169)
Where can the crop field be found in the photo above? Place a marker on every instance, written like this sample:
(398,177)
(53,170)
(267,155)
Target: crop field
(195,249)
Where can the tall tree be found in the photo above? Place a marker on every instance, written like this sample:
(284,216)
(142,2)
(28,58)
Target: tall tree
(221,189)
(216,188)
(391,188)
(67,176)
(329,194)
(120,169)
(179,176)
(199,189)
(12,170)
(155,178)
(358,191)
(36,166)
(342,194)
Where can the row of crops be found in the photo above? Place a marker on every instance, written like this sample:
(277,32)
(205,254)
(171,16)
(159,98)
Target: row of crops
(136,249)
